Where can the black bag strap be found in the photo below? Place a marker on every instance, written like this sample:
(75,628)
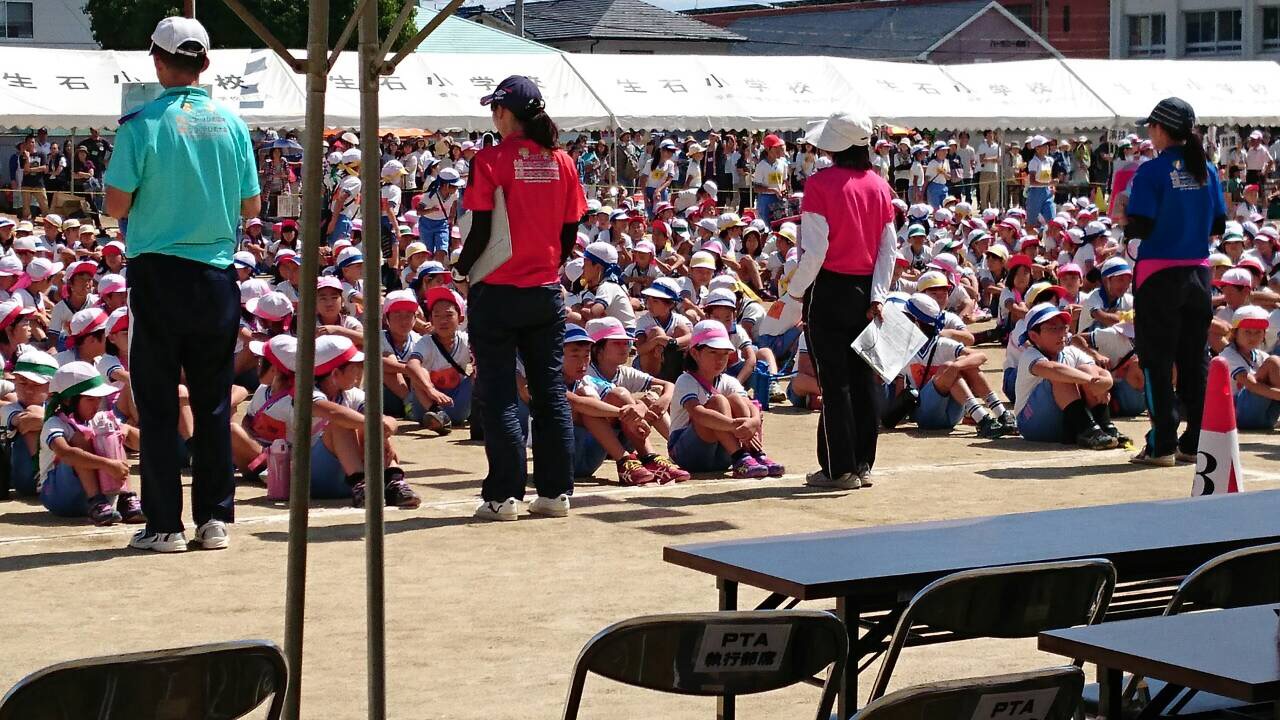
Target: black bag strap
(448,356)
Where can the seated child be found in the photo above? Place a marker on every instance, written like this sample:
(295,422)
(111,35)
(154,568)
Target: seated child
(605,417)
(74,481)
(24,418)
(1111,303)
(86,337)
(609,351)
(722,305)
(804,391)
(269,416)
(662,334)
(337,446)
(1236,287)
(1112,348)
(1255,373)
(948,379)
(439,366)
(604,295)
(331,315)
(399,311)
(713,424)
(1062,395)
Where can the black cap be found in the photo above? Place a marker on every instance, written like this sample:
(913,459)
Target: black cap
(518,94)
(1173,113)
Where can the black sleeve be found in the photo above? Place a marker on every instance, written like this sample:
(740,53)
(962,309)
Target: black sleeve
(568,237)
(1138,226)
(1219,225)
(477,240)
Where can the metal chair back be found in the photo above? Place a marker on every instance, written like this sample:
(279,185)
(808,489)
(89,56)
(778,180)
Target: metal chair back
(724,653)
(1011,601)
(1050,694)
(221,681)
(1249,576)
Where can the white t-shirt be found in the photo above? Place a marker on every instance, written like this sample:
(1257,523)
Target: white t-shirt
(1095,302)
(1040,170)
(1239,364)
(9,414)
(287,289)
(350,294)
(690,388)
(646,321)
(54,427)
(693,175)
(968,161)
(107,364)
(433,360)
(347,322)
(435,207)
(988,150)
(937,171)
(1110,342)
(771,174)
(630,379)
(1273,329)
(943,350)
(402,353)
(661,172)
(392,194)
(351,185)
(281,409)
(616,302)
(1027,381)
(67,356)
(633,272)
(60,318)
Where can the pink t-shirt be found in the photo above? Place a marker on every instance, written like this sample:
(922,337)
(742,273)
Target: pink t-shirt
(857,204)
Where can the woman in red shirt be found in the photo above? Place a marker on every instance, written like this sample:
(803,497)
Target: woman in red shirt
(518,307)
(847,247)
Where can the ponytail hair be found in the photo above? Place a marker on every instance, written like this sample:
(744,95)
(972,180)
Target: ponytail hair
(540,128)
(1193,155)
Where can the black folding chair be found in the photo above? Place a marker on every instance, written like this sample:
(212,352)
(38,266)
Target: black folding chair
(221,681)
(1011,601)
(1240,578)
(705,654)
(1050,694)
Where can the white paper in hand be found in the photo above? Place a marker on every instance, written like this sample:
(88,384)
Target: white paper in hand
(498,251)
(889,344)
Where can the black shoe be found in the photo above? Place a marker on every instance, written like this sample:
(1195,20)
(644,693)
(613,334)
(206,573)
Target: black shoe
(1095,439)
(397,492)
(1121,439)
(989,428)
(356,481)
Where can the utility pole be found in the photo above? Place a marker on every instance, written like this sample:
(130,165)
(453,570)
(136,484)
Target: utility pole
(189,8)
(520,18)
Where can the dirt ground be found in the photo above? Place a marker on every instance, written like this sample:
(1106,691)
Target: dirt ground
(485,620)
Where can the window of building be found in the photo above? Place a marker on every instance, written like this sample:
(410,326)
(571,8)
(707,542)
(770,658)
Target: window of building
(1146,35)
(1213,32)
(1023,13)
(17,20)
(1271,28)
(1066,18)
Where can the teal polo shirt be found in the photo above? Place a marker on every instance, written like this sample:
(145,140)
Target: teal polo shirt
(188,162)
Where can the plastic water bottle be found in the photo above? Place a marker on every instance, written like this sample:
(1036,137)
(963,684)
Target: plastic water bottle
(279,466)
(108,442)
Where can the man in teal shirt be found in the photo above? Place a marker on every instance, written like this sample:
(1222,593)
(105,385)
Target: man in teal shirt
(181,178)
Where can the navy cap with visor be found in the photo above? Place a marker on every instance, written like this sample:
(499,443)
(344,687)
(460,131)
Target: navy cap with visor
(518,94)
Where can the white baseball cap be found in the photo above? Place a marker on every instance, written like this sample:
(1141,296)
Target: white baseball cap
(41,269)
(253,288)
(334,351)
(281,351)
(840,131)
(81,378)
(604,252)
(173,32)
(36,366)
(87,321)
(393,168)
(272,307)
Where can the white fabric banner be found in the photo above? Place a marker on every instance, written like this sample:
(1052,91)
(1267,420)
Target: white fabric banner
(1223,92)
(1026,94)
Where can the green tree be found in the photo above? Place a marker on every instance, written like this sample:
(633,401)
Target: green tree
(127,24)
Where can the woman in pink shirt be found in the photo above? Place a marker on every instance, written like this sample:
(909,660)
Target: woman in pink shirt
(847,247)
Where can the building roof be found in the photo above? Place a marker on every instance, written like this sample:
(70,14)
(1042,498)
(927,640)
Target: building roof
(611,19)
(456,35)
(862,30)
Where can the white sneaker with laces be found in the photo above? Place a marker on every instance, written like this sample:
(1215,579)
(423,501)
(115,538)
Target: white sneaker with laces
(212,536)
(550,507)
(508,509)
(848,481)
(159,542)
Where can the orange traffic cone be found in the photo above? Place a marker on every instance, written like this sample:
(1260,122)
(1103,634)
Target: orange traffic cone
(1218,466)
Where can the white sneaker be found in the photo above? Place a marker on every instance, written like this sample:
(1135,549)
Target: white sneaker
(848,481)
(550,507)
(212,536)
(508,509)
(159,542)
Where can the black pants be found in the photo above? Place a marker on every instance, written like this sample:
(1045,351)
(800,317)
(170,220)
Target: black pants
(1172,310)
(506,320)
(183,318)
(835,312)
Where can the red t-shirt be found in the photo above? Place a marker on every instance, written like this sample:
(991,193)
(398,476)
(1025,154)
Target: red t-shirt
(543,194)
(857,204)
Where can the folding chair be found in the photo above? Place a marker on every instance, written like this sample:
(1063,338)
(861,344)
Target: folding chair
(1011,601)
(1050,694)
(220,681)
(1249,576)
(725,653)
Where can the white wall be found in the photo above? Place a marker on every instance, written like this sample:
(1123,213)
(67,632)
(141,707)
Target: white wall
(58,24)
(1250,24)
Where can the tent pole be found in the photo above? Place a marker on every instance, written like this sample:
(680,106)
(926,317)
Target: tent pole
(370,176)
(443,14)
(300,482)
(397,26)
(347,29)
(266,35)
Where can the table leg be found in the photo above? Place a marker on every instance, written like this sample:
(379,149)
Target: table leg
(728,590)
(1110,686)
(847,705)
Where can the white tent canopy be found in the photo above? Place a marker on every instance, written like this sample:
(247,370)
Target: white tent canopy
(81,89)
